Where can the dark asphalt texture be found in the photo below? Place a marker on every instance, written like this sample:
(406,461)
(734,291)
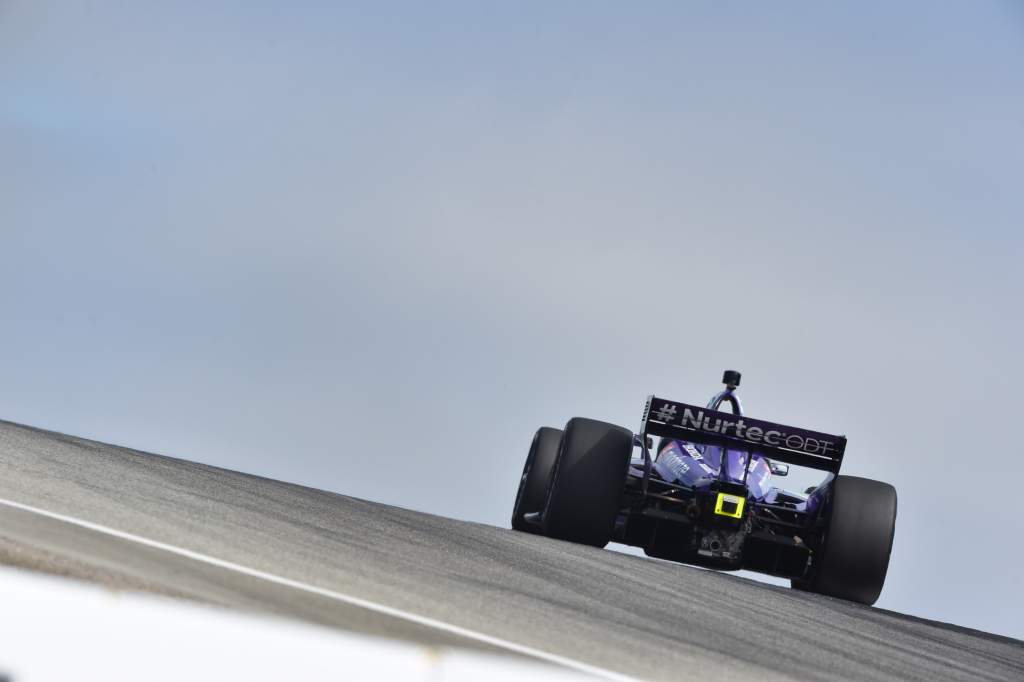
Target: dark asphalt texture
(639,617)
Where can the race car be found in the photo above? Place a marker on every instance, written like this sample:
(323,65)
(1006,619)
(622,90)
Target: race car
(707,496)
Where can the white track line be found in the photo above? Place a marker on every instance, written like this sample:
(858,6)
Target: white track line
(330,594)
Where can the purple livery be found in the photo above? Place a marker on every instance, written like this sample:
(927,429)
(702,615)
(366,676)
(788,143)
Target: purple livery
(707,495)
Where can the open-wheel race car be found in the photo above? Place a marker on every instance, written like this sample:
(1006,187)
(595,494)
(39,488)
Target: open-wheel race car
(706,495)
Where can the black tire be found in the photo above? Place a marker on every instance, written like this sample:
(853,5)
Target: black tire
(587,482)
(858,541)
(533,486)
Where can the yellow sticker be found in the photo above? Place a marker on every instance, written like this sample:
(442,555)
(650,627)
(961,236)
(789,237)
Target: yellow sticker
(730,505)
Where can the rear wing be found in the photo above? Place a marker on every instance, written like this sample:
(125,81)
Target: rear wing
(775,441)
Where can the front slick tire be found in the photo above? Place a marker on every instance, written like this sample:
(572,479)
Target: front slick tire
(533,486)
(587,483)
(859,541)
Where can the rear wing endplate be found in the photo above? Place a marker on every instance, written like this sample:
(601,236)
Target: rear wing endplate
(775,441)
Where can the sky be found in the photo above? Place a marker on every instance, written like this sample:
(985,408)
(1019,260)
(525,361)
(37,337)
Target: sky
(371,247)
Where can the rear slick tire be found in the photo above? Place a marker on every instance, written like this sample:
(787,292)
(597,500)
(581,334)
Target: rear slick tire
(858,543)
(587,482)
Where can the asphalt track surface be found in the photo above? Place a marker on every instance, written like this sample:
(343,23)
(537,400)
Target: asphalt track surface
(357,565)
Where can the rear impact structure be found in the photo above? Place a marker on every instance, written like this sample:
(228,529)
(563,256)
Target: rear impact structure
(706,495)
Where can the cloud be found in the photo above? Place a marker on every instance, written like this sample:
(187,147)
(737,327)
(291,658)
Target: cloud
(372,251)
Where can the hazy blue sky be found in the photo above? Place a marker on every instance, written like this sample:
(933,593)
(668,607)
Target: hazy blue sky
(256,234)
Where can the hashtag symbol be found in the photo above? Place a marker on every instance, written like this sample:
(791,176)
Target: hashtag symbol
(665,413)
